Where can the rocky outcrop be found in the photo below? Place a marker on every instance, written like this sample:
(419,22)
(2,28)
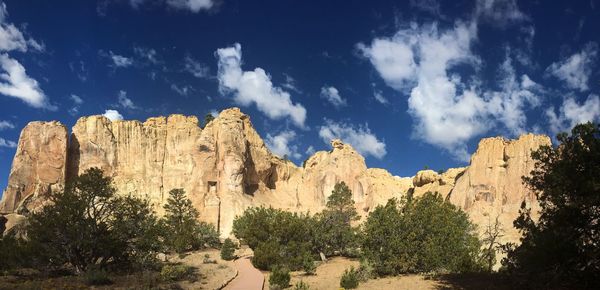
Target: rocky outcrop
(226,168)
(38,168)
(491,187)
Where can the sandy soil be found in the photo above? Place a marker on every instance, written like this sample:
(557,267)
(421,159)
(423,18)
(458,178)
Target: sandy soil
(328,277)
(211,276)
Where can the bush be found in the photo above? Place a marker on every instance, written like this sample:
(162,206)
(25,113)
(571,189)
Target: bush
(365,271)
(301,286)
(426,234)
(276,236)
(87,225)
(96,277)
(279,278)
(266,255)
(308,265)
(171,273)
(228,250)
(349,279)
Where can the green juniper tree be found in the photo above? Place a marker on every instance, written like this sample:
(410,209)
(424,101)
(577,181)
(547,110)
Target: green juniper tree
(183,230)
(335,233)
(563,246)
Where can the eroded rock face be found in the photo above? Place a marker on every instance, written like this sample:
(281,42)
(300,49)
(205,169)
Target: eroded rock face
(226,168)
(38,168)
(492,187)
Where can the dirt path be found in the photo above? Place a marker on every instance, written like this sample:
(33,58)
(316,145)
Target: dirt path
(249,278)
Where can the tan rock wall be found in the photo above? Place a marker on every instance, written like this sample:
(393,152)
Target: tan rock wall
(226,168)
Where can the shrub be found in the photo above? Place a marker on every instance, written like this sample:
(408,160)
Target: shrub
(349,279)
(365,271)
(301,286)
(228,250)
(266,255)
(87,225)
(279,278)
(95,277)
(170,273)
(426,234)
(276,236)
(208,260)
(308,265)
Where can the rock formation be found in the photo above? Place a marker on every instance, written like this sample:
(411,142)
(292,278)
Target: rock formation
(226,168)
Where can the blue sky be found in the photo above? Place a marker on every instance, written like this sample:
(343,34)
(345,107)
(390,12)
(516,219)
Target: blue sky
(408,83)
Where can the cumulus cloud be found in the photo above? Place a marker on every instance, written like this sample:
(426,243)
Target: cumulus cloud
(113,115)
(14,82)
(380,98)
(125,102)
(280,144)
(572,113)
(195,67)
(576,69)
(191,5)
(359,137)
(449,110)
(119,60)
(11,38)
(7,143)
(255,87)
(332,95)
(6,125)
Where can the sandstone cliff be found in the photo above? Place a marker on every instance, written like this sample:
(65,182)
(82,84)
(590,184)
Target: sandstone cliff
(226,168)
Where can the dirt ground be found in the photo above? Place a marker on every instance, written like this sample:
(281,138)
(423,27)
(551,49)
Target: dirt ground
(209,276)
(328,277)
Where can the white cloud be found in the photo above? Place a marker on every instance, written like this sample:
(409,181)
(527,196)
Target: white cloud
(332,95)
(7,143)
(280,144)
(191,5)
(380,98)
(448,110)
(393,59)
(6,125)
(195,67)
(499,12)
(119,60)
(149,54)
(360,137)
(310,150)
(575,70)
(76,99)
(14,82)
(183,90)
(125,102)
(290,83)
(255,87)
(571,113)
(11,38)
(113,115)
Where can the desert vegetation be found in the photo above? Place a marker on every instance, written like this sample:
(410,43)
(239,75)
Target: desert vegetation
(91,231)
